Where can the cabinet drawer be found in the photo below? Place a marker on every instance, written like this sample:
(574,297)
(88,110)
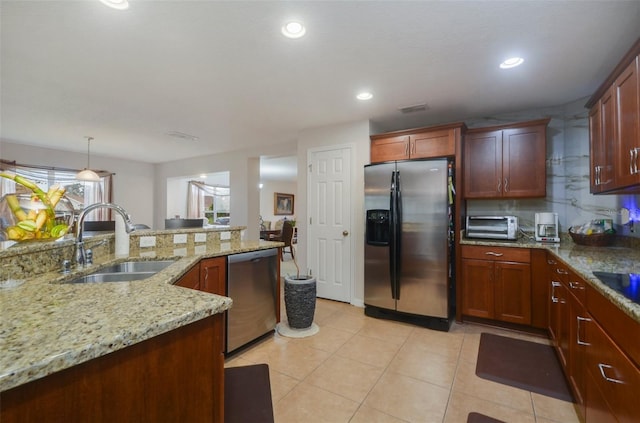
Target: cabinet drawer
(620,327)
(577,286)
(522,255)
(616,377)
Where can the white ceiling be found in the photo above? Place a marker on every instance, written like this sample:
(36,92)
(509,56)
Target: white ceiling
(221,70)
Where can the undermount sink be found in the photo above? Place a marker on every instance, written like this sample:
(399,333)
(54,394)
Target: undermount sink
(124,272)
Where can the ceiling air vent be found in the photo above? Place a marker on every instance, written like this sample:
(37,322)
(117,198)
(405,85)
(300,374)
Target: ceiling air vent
(415,108)
(182,136)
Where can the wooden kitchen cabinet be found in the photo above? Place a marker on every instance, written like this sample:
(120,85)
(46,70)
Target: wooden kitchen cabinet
(496,283)
(559,309)
(507,161)
(577,343)
(213,275)
(614,129)
(191,279)
(421,143)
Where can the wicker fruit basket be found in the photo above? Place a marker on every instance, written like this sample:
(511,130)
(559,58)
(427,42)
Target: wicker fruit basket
(593,240)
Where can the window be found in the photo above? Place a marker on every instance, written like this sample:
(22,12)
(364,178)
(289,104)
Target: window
(211,202)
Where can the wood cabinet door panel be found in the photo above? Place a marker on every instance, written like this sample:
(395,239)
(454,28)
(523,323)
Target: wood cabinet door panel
(389,149)
(615,375)
(213,275)
(578,320)
(596,408)
(512,291)
(523,162)
(477,287)
(433,144)
(627,126)
(483,165)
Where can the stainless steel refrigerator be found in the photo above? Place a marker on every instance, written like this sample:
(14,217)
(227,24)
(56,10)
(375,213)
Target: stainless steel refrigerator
(409,272)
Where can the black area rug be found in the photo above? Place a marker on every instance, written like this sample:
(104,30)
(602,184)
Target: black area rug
(247,394)
(481,418)
(523,364)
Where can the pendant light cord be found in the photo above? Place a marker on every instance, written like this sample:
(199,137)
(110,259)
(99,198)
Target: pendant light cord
(89,152)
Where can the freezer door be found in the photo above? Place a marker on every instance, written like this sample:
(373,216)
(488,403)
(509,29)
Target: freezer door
(377,277)
(423,242)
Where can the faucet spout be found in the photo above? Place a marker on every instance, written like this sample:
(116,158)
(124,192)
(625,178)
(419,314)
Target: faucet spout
(80,251)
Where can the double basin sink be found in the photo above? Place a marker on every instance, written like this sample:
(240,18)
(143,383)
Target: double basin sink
(124,272)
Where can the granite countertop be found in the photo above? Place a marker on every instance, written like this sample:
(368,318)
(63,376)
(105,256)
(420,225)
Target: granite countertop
(48,325)
(584,260)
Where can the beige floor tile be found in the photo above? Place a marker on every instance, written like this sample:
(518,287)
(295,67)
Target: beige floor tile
(296,361)
(554,409)
(443,343)
(345,377)
(370,415)
(368,350)
(310,404)
(348,321)
(259,352)
(460,405)
(281,384)
(416,361)
(470,347)
(386,330)
(237,362)
(466,382)
(328,339)
(408,399)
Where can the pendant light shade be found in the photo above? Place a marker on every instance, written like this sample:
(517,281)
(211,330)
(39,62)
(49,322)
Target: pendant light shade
(87,174)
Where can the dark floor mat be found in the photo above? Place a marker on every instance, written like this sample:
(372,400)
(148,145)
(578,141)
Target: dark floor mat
(481,418)
(247,394)
(523,364)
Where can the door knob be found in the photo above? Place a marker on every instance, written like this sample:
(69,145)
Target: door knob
(345,233)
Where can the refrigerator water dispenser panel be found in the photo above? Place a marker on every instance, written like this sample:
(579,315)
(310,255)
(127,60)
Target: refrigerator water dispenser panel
(378,227)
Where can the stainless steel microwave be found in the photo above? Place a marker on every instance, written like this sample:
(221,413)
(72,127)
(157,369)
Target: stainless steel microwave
(492,227)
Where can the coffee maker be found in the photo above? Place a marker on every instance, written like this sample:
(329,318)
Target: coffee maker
(547,229)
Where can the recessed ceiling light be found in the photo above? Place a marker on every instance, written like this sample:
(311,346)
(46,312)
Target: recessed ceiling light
(116,4)
(364,96)
(293,29)
(511,62)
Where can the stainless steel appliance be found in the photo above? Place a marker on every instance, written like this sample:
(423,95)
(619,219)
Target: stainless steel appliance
(492,227)
(252,283)
(547,227)
(408,250)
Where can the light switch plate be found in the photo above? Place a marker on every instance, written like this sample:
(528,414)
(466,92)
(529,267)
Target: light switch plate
(201,237)
(180,239)
(225,235)
(147,241)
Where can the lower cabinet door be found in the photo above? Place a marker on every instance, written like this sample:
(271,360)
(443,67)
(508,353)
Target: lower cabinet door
(477,288)
(512,292)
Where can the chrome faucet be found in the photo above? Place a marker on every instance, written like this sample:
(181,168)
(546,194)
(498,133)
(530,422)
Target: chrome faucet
(81,256)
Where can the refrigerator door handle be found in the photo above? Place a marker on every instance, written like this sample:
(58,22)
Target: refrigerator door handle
(398,232)
(392,235)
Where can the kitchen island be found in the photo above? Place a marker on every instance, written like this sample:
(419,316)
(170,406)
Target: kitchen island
(158,344)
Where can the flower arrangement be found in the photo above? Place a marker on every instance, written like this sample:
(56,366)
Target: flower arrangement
(39,223)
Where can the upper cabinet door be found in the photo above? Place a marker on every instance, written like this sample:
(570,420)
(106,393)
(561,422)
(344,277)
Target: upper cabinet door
(389,149)
(483,165)
(601,132)
(524,152)
(433,144)
(627,127)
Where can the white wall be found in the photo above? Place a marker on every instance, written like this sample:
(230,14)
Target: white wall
(133,183)
(244,174)
(356,134)
(267,198)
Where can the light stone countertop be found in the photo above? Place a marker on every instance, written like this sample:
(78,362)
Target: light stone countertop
(47,326)
(584,260)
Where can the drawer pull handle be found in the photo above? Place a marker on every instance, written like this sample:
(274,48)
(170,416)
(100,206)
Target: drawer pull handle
(491,253)
(608,379)
(575,285)
(551,262)
(554,285)
(562,271)
(579,341)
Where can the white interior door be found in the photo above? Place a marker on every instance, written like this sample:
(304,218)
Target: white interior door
(330,246)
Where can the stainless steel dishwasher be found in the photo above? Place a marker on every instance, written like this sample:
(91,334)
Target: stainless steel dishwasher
(252,281)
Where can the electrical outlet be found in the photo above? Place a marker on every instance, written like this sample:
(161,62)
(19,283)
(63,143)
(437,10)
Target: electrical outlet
(201,237)
(147,241)
(180,239)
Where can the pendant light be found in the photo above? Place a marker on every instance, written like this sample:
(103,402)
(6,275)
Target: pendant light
(87,174)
